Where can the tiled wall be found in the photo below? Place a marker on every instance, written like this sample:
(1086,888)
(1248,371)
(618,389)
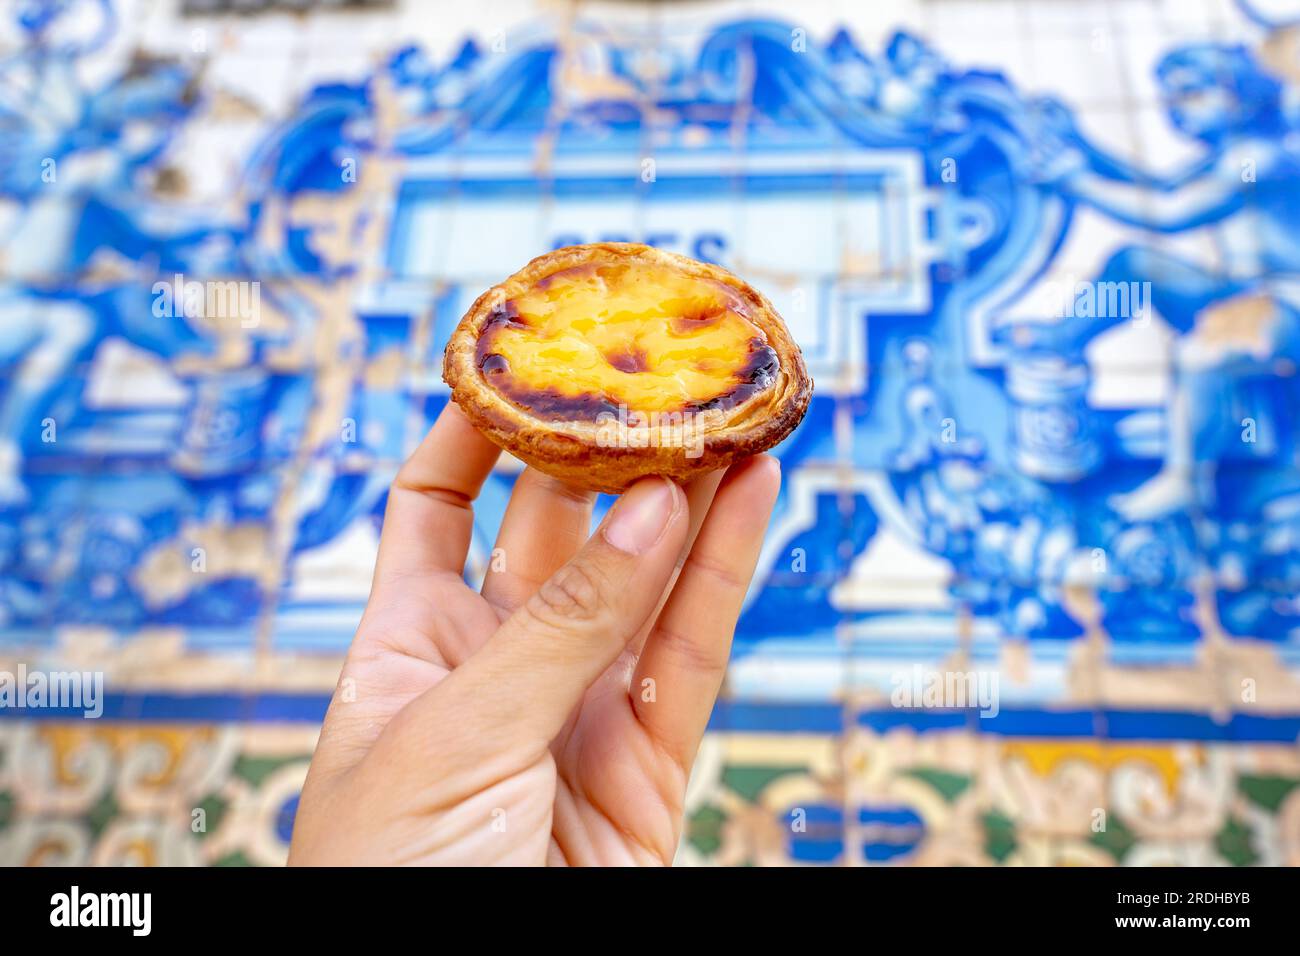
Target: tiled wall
(1032,591)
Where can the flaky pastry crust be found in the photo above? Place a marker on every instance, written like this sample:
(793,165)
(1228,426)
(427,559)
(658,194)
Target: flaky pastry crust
(578,451)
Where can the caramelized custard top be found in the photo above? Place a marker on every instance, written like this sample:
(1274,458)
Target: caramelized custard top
(646,338)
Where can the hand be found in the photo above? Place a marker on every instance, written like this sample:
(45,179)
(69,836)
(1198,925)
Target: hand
(1051,118)
(1054,165)
(553,718)
(1053,154)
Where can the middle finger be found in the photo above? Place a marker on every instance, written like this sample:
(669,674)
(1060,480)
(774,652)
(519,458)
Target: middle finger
(545,524)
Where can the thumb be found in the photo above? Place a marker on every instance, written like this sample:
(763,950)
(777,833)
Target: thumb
(532,673)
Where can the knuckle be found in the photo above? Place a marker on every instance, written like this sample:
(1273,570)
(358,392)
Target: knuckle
(716,570)
(693,652)
(572,594)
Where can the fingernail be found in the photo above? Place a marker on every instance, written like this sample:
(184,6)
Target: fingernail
(639,518)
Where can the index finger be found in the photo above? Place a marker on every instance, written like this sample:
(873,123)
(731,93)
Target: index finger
(429,519)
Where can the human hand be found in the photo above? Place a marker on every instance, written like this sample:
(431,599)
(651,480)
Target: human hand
(553,718)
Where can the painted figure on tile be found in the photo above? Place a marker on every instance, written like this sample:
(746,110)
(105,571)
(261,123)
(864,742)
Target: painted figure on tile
(69,208)
(1230,421)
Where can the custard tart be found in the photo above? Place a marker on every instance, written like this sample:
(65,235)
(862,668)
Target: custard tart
(603,363)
